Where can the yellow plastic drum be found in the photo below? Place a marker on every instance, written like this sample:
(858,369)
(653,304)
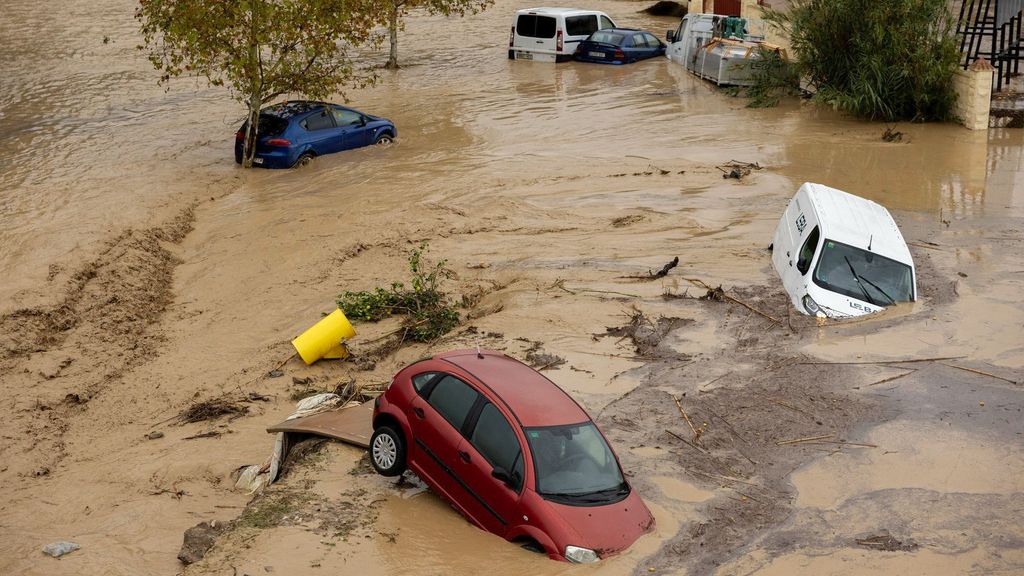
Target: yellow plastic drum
(326,338)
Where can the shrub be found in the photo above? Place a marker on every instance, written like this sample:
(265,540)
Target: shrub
(774,77)
(429,315)
(891,60)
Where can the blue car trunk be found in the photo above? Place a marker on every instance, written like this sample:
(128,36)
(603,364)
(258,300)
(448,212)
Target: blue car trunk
(600,52)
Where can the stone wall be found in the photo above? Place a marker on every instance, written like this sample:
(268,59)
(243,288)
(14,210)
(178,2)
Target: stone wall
(974,95)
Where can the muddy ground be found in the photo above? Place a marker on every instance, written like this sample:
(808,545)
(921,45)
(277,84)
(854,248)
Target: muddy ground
(156,275)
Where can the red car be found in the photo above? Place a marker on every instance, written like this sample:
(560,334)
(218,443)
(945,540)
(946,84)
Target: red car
(511,451)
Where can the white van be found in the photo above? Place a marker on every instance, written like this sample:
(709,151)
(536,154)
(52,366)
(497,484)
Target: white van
(552,34)
(841,255)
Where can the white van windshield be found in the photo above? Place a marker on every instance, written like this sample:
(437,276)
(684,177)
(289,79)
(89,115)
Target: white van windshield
(863,275)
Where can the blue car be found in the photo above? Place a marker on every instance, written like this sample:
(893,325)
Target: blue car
(293,133)
(619,46)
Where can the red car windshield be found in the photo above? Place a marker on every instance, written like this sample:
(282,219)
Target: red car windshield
(575,465)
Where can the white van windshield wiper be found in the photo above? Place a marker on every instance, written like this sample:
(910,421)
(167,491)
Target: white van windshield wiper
(879,288)
(856,278)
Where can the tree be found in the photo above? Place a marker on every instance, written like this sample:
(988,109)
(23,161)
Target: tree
(882,60)
(397,9)
(259,49)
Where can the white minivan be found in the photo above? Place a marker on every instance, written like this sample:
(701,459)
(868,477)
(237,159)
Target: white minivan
(841,255)
(552,34)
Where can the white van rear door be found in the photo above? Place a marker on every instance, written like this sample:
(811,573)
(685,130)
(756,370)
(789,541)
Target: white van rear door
(535,32)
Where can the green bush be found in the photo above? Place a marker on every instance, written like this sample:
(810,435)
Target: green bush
(883,60)
(774,77)
(428,313)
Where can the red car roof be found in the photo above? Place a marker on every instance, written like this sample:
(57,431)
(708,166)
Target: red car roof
(535,400)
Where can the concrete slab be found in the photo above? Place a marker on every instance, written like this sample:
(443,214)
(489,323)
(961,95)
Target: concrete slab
(351,425)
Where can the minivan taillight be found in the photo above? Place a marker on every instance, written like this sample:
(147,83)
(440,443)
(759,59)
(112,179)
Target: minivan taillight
(512,37)
(278,142)
(558,42)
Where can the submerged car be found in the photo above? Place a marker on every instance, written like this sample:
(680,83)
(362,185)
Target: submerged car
(511,451)
(619,46)
(841,255)
(293,133)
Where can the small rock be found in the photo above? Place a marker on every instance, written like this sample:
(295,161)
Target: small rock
(43,471)
(275,373)
(156,434)
(961,274)
(58,549)
(301,381)
(198,539)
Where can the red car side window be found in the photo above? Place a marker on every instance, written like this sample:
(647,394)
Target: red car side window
(453,399)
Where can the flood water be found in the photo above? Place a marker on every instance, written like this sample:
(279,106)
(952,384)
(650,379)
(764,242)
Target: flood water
(92,145)
(517,165)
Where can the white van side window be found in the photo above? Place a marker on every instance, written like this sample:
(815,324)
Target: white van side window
(803,263)
(534,26)
(580,25)
(606,22)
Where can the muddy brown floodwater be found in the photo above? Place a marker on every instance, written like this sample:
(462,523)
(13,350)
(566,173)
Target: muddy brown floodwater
(144,272)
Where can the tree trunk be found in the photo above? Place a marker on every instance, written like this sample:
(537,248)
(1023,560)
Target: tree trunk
(393,30)
(249,145)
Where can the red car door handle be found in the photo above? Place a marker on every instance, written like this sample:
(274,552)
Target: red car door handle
(464,456)
(418,412)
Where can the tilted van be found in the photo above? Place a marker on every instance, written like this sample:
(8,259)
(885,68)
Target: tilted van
(841,255)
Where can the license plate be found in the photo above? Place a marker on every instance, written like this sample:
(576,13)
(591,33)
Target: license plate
(596,54)
(257,160)
(524,55)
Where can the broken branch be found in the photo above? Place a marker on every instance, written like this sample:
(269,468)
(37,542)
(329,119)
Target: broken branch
(911,361)
(802,440)
(700,283)
(687,442)
(981,372)
(679,405)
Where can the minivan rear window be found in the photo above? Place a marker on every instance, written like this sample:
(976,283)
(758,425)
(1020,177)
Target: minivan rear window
(534,26)
(580,25)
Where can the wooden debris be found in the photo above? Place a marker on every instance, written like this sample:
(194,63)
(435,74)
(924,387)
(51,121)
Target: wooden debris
(696,434)
(910,361)
(687,442)
(719,293)
(802,440)
(980,372)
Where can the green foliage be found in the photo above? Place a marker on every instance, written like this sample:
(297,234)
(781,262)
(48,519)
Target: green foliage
(429,315)
(774,77)
(259,49)
(397,10)
(891,60)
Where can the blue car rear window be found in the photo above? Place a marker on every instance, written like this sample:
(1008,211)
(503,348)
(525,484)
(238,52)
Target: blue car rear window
(270,125)
(606,38)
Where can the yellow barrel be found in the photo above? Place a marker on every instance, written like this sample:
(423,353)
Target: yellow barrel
(325,339)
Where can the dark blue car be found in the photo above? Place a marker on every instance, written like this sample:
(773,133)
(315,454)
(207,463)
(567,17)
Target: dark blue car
(293,133)
(619,46)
